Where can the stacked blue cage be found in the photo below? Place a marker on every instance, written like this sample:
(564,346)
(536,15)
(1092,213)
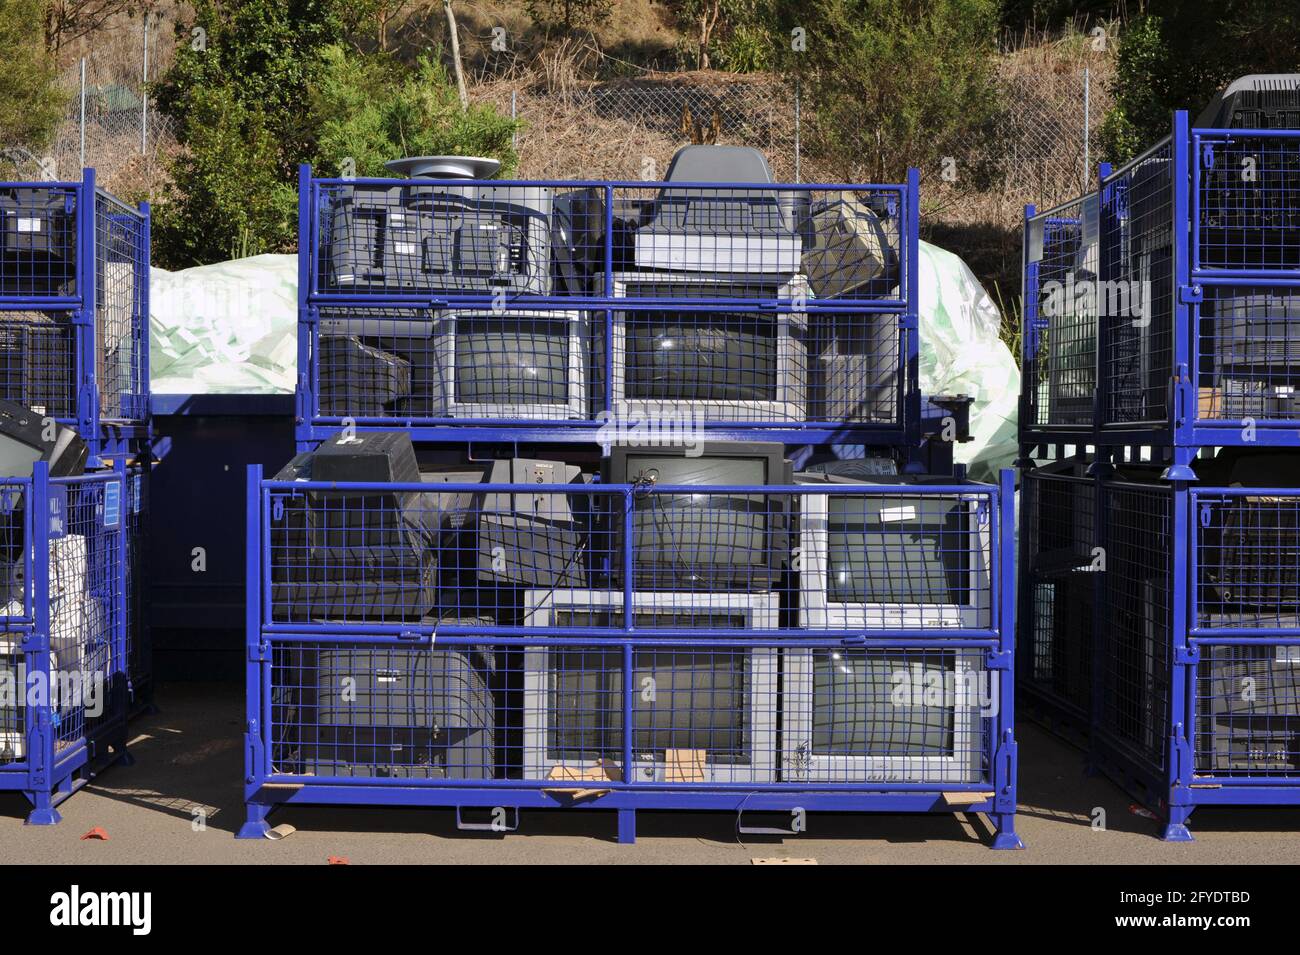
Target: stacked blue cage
(74,287)
(1160,616)
(539,638)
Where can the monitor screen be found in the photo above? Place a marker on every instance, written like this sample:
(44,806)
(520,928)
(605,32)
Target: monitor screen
(701,356)
(898,551)
(683,699)
(498,362)
(700,531)
(855,712)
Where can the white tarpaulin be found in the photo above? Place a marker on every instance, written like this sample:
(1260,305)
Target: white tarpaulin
(962,353)
(229,328)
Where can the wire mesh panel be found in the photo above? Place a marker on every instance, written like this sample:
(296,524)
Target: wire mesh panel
(63,657)
(87,590)
(1248,193)
(559,711)
(1060,340)
(38,361)
(1248,711)
(862,557)
(1247,551)
(38,240)
(1249,353)
(1060,581)
(1137,639)
(437,303)
(121,322)
(1136,295)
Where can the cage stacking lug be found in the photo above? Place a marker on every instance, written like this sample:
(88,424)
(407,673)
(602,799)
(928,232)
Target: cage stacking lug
(1007,755)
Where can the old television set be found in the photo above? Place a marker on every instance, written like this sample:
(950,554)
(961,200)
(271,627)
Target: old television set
(704,541)
(857,715)
(424,236)
(1253,733)
(704,715)
(409,712)
(1253,345)
(720,228)
(893,560)
(724,364)
(465,363)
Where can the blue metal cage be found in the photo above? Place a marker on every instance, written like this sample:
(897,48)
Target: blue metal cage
(1162,308)
(74,307)
(545,310)
(778,648)
(64,658)
(1160,627)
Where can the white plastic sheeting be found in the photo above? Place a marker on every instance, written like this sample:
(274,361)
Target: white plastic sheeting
(229,328)
(962,353)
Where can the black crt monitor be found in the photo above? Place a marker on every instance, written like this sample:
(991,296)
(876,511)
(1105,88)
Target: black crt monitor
(855,712)
(735,542)
(1254,733)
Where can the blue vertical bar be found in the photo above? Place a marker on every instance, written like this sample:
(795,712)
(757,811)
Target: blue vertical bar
(1179,769)
(1028,329)
(253,730)
(1184,410)
(912,424)
(308,254)
(87,267)
(142,284)
(1006,769)
(119,586)
(1105,236)
(40,725)
(629,774)
(629,506)
(609,241)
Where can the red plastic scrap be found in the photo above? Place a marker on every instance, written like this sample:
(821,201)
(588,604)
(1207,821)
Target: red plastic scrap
(96,833)
(338,860)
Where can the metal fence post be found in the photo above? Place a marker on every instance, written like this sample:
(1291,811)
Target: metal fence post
(797,118)
(81,164)
(144,89)
(1087,127)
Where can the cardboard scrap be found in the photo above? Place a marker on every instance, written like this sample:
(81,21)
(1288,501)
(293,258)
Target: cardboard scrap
(684,765)
(602,772)
(966,798)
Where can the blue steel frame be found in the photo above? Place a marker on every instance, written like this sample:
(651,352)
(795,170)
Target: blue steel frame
(263,790)
(48,775)
(1191,154)
(107,436)
(313,428)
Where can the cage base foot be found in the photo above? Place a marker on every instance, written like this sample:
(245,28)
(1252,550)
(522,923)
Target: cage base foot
(43,816)
(125,758)
(255,826)
(1177,832)
(1006,837)
(627,827)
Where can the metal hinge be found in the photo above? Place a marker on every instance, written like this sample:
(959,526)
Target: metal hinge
(1187,656)
(998,659)
(1191,295)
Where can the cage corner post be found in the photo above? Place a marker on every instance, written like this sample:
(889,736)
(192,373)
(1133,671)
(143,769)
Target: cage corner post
(255,825)
(1006,756)
(40,739)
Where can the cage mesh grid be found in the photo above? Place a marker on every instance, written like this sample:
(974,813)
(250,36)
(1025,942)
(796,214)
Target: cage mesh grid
(853,558)
(1248,560)
(38,240)
(121,264)
(555,712)
(1136,641)
(490,239)
(1136,295)
(38,361)
(87,590)
(80,691)
(717,365)
(1248,190)
(1059,524)
(1062,369)
(1248,711)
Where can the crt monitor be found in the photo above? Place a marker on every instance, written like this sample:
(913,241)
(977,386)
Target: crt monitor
(852,715)
(721,542)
